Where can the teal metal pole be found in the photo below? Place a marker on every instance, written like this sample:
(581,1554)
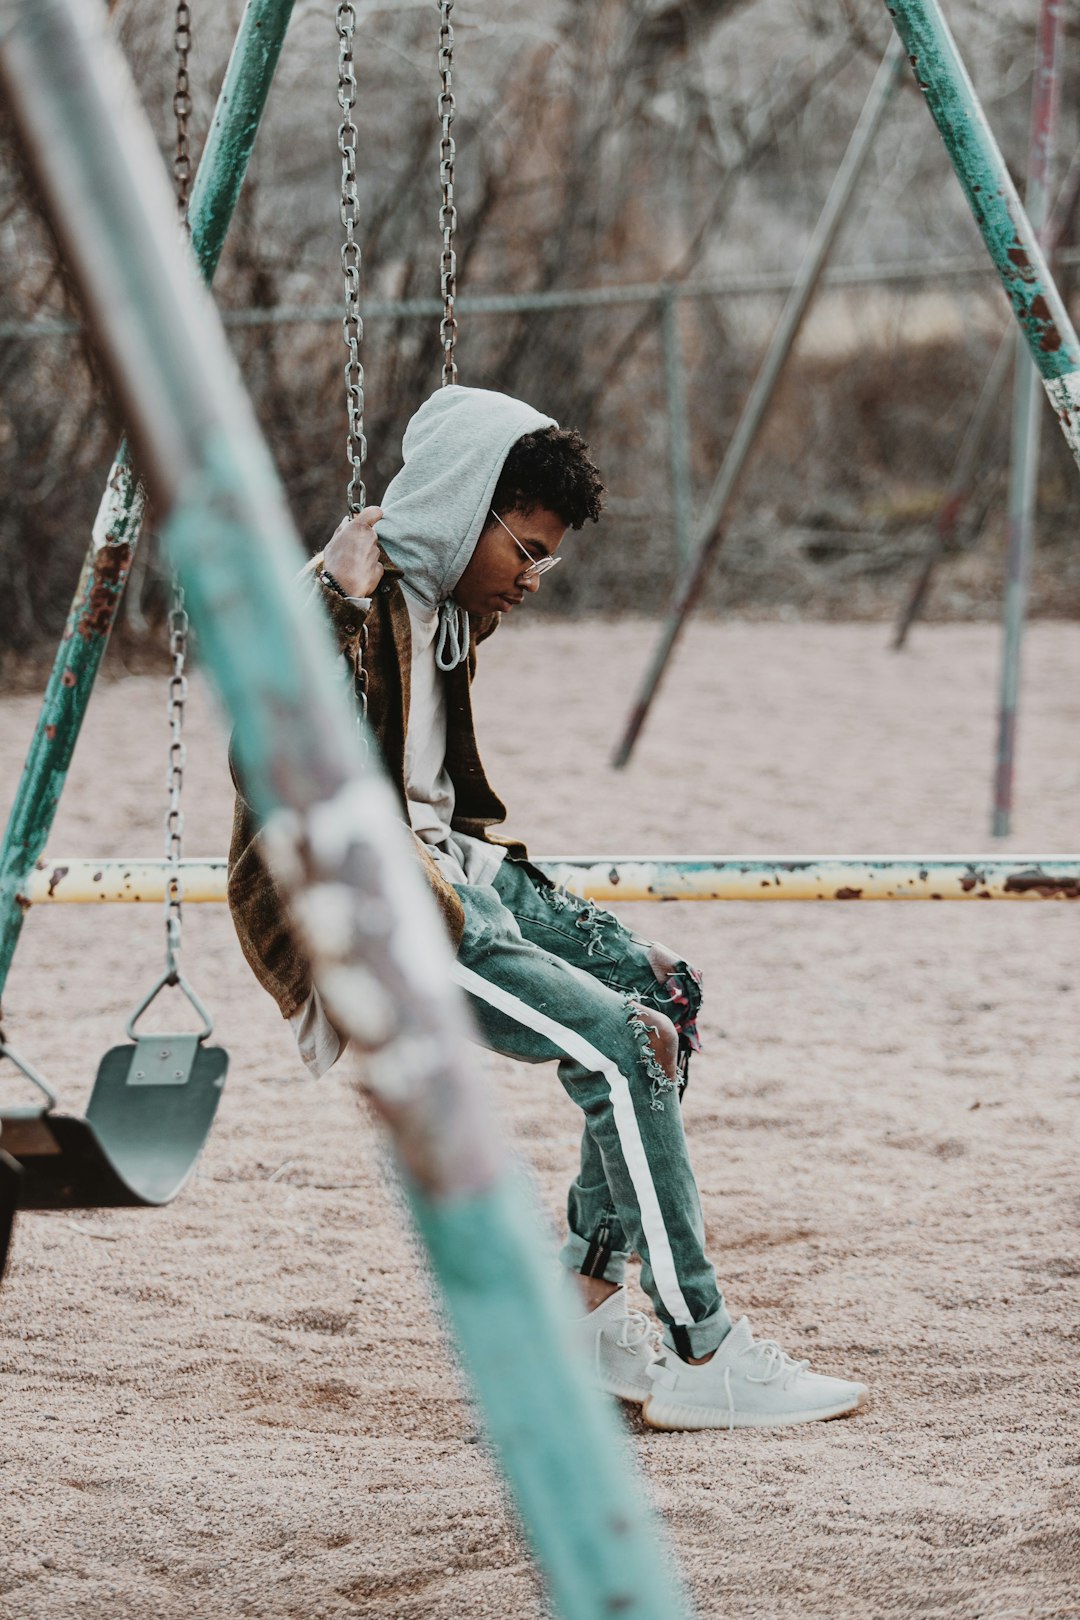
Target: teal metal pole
(1027,423)
(995,206)
(119,519)
(331,821)
(965,469)
(709,534)
(678,432)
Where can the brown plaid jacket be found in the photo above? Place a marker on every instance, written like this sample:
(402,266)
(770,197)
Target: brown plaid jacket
(273,953)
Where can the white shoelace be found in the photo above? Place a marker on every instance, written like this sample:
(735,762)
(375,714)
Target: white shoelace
(637,1329)
(778,1364)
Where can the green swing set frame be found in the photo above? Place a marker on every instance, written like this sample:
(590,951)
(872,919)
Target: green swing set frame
(329,815)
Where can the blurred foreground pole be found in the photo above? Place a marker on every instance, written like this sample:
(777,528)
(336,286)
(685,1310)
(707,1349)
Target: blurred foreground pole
(116,528)
(709,535)
(337,849)
(1027,421)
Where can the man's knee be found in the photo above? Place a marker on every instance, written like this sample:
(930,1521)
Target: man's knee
(661,1035)
(662,962)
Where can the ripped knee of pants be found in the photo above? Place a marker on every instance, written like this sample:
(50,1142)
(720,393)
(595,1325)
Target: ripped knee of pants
(680,998)
(587,914)
(658,1045)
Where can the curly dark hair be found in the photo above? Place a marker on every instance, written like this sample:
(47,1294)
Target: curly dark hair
(551,468)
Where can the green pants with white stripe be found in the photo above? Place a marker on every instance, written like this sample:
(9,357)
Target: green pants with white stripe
(551,978)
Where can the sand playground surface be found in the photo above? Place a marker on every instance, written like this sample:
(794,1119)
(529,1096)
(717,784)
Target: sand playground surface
(244,1405)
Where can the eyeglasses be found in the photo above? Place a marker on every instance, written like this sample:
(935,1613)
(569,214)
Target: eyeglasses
(537,565)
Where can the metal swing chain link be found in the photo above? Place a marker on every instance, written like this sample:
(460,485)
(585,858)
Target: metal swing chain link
(178,618)
(448,211)
(352,326)
(174,818)
(182,107)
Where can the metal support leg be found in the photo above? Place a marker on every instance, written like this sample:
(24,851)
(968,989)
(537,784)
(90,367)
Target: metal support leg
(965,468)
(678,433)
(996,208)
(961,483)
(119,519)
(709,536)
(1027,423)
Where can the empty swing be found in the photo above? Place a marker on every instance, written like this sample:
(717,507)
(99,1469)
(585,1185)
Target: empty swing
(155,1096)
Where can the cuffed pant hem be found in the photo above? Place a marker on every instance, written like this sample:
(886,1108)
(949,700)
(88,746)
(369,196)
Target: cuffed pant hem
(573,1254)
(700,1338)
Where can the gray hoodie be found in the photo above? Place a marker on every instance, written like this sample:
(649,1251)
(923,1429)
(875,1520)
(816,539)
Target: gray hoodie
(434,509)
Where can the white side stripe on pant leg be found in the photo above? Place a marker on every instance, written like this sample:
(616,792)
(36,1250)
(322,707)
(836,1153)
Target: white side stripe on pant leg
(626,1124)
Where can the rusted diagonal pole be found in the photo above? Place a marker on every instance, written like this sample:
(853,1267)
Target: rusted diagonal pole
(709,535)
(342,860)
(964,477)
(116,528)
(995,206)
(1026,424)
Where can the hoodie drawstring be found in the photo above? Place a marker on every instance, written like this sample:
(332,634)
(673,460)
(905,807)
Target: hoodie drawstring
(452,646)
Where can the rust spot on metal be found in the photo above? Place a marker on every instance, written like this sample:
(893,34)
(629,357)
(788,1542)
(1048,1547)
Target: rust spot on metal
(50,732)
(968,882)
(110,571)
(848,894)
(1040,308)
(1018,256)
(1051,341)
(1050,887)
(97,877)
(67,678)
(22,902)
(59,873)
(613,876)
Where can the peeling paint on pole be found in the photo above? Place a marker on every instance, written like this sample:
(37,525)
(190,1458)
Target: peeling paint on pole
(995,206)
(608,878)
(1064,395)
(1026,427)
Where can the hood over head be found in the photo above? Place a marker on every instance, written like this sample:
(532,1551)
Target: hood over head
(434,509)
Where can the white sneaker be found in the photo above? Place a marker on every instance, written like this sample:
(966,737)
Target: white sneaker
(621,1345)
(748,1383)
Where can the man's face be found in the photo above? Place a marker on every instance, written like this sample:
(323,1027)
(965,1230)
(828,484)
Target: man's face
(494,580)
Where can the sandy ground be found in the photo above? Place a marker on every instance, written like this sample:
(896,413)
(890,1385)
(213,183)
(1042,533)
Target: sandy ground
(243,1405)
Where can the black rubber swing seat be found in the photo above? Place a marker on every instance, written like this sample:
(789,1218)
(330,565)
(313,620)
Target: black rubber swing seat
(148,1117)
(149,1114)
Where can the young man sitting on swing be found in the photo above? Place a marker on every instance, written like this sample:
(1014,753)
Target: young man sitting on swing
(476,516)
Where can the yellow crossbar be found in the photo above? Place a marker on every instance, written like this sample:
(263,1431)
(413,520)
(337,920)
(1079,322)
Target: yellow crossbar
(640,877)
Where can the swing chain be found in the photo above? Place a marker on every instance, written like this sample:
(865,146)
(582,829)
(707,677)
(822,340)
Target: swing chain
(174,817)
(178,618)
(182,107)
(448,212)
(360,691)
(352,325)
